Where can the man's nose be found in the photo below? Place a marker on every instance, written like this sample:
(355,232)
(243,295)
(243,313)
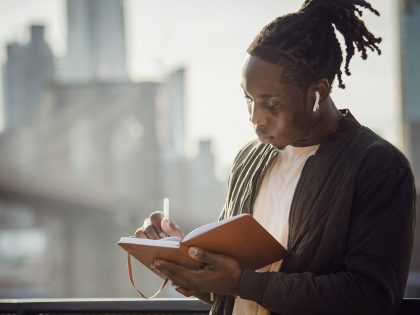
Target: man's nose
(257,115)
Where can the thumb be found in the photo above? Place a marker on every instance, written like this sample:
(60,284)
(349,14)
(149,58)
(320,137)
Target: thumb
(171,228)
(204,256)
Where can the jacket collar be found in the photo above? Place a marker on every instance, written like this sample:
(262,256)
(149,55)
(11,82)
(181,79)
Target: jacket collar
(348,128)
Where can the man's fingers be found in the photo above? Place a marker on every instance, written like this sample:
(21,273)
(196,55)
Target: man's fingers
(155,218)
(140,233)
(150,230)
(171,228)
(157,226)
(178,274)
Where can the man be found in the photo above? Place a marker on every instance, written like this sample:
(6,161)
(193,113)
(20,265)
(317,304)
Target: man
(337,195)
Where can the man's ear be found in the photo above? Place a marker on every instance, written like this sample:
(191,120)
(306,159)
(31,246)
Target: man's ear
(322,87)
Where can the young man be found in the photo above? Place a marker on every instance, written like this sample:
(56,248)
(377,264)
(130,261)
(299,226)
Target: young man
(340,198)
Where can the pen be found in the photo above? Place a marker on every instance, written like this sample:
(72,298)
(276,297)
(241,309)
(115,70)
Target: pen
(166,208)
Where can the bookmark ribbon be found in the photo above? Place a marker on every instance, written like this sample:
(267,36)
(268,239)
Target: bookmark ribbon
(130,276)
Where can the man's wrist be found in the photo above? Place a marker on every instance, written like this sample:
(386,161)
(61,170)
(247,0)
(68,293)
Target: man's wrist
(252,285)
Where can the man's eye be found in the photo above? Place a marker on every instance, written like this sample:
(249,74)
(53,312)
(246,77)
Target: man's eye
(273,105)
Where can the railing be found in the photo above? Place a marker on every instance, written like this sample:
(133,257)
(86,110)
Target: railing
(102,307)
(129,307)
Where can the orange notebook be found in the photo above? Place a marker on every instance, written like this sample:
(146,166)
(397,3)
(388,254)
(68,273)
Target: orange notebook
(240,237)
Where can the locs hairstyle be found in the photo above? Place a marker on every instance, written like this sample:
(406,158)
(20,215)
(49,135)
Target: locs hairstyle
(306,45)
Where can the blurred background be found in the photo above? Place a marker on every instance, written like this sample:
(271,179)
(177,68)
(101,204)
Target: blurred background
(109,106)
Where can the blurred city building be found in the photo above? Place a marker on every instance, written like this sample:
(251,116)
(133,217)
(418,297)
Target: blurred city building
(95,41)
(410,91)
(27,73)
(171,124)
(86,156)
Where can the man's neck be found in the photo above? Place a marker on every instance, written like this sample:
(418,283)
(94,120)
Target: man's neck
(326,125)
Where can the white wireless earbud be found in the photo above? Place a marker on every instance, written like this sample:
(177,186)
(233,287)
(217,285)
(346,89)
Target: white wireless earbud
(316,104)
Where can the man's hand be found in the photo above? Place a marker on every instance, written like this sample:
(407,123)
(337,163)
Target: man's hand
(220,273)
(156,226)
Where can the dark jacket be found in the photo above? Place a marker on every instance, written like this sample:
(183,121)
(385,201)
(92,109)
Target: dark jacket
(351,227)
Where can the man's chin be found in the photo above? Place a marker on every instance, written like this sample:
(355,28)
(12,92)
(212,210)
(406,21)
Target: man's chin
(265,140)
(270,140)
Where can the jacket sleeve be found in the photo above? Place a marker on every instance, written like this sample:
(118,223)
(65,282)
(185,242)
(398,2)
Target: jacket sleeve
(375,270)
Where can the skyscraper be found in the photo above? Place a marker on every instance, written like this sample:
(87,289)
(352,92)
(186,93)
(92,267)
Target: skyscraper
(410,66)
(171,107)
(95,41)
(28,71)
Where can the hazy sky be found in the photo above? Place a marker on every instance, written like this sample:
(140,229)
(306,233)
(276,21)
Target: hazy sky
(210,39)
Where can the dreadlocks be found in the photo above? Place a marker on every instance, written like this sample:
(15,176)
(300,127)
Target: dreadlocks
(305,42)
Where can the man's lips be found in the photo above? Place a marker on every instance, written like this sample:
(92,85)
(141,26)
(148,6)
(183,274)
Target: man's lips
(263,136)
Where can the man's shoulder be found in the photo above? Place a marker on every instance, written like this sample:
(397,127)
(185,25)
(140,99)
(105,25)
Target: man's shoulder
(372,150)
(364,145)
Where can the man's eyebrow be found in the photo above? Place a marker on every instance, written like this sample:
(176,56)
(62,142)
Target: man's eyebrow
(268,95)
(261,95)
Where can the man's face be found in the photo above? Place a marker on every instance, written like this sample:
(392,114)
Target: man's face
(277,109)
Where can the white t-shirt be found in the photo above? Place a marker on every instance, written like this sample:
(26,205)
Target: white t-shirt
(272,207)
